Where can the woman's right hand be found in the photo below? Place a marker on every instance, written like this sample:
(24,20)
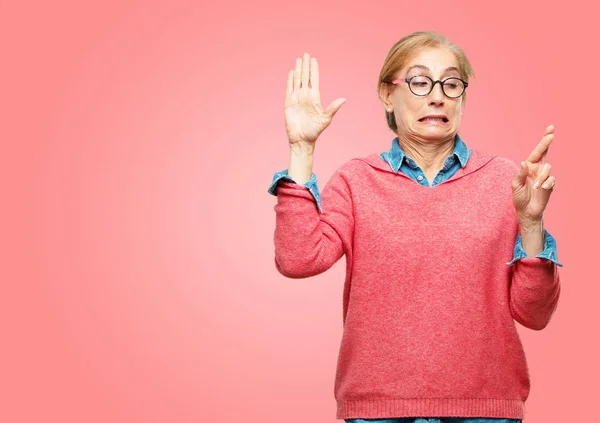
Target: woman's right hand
(305,118)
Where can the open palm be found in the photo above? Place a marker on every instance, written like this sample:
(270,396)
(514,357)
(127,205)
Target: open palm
(305,118)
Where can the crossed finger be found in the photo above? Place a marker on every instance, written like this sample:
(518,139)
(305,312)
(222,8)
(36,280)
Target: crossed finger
(543,177)
(541,150)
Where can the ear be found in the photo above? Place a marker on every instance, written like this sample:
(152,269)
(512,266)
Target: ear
(385,94)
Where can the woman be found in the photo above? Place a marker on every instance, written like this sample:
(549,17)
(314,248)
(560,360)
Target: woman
(428,229)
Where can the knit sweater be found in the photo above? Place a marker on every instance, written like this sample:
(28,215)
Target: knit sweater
(400,162)
(428,311)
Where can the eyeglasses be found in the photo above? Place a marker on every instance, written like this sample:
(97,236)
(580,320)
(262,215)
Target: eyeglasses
(422,85)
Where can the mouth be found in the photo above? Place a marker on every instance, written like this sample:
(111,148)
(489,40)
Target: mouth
(434,119)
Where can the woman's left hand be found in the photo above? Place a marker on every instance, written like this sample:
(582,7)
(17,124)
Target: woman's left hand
(533,184)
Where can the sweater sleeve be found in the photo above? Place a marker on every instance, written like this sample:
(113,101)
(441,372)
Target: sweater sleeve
(308,242)
(535,287)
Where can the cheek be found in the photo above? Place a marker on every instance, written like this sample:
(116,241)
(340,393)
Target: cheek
(409,109)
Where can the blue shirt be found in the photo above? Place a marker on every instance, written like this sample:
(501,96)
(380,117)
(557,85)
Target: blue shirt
(399,161)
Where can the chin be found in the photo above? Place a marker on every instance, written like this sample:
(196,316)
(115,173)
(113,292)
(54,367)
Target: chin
(434,133)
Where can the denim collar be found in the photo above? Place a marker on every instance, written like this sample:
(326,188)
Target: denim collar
(395,155)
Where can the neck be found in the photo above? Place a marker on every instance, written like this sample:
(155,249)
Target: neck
(429,155)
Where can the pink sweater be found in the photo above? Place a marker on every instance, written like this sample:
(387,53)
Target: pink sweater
(429,302)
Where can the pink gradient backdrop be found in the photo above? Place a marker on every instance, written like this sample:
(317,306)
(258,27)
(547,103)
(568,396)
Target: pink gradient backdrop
(139,139)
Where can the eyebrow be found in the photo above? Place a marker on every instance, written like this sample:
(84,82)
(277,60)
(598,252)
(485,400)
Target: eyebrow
(451,68)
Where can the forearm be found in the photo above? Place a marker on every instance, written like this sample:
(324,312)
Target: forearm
(308,243)
(535,286)
(532,234)
(301,162)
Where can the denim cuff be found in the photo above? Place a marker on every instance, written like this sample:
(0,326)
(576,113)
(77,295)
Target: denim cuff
(550,252)
(311,184)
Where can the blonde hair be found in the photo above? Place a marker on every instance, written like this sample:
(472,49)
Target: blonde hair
(406,48)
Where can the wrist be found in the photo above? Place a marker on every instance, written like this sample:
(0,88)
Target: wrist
(301,164)
(527,224)
(302,148)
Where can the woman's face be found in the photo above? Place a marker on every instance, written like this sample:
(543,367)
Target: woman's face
(409,109)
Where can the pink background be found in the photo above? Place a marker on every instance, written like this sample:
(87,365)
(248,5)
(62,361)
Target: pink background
(138,143)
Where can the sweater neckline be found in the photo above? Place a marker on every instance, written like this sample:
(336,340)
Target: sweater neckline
(477,160)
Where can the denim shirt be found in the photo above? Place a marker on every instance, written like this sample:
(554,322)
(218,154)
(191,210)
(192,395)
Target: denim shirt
(398,160)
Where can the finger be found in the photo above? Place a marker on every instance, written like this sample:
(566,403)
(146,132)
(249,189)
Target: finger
(539,152)
(297,73)
(549,184)
(290,83)
(543,175)
(305,70)
(334,106)
(521,176)
(549,130)
(314,74)
(543,158)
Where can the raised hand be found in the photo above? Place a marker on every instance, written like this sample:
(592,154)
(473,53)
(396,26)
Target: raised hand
(305,118)
(533,184)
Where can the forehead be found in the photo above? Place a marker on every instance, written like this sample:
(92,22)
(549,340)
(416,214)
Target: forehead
(436,59)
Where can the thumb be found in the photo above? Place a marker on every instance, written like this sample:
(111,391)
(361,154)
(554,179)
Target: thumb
(521,177)
(334,106)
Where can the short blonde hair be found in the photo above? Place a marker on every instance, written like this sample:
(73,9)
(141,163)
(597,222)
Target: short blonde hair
(406,48)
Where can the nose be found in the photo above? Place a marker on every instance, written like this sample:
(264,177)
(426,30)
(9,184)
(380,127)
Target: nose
(437,94)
